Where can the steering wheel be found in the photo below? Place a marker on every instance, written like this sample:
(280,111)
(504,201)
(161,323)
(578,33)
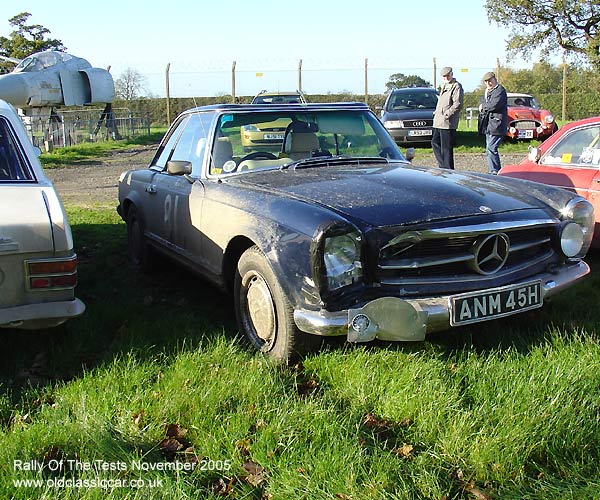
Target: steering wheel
(265,155)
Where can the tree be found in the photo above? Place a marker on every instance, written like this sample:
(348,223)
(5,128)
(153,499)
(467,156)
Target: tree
(398,80)
(573,25)
(130,85)
(27,39)
(542,78)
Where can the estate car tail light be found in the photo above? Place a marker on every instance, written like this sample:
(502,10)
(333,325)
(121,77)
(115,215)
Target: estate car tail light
(52,274)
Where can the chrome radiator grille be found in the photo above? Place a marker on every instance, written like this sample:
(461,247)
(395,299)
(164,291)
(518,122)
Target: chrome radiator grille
(464,253)
(525,125)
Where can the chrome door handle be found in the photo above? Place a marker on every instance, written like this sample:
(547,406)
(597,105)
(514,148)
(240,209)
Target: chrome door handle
(151,189)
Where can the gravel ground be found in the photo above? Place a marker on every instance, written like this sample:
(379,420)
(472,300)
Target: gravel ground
(96,181)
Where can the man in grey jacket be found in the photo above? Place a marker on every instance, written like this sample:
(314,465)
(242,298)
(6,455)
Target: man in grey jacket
(445,119)
(493,119)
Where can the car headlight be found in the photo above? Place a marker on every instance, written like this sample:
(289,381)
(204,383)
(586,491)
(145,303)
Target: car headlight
(549,118)
(394,124)
(575,242)
(341,258)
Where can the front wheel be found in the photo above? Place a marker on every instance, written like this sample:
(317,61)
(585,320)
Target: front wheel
(263,312)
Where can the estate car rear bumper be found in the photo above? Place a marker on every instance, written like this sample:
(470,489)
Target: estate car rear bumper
(40,315)
(396,319)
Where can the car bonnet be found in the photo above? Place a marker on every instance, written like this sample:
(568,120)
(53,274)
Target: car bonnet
(389,195)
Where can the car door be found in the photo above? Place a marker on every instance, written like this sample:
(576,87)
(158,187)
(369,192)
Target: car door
(572,163)
(177,199)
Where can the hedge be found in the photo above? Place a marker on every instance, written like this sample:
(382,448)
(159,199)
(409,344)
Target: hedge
(579,105)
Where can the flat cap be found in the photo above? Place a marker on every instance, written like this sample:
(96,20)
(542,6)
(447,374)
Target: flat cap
(446,70)
(488,76)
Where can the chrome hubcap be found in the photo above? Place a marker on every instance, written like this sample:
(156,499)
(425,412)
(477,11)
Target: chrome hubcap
(260,308)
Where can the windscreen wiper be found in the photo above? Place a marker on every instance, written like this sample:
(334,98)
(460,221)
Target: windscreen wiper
(333,160)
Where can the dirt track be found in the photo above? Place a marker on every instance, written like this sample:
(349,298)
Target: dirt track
(96,181)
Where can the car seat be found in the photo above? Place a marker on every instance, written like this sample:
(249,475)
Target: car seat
(300,140)
(222,152)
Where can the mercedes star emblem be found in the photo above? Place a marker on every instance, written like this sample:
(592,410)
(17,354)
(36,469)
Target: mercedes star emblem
(490,253)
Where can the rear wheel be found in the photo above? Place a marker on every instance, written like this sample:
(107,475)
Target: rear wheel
(263,312)
(140,252)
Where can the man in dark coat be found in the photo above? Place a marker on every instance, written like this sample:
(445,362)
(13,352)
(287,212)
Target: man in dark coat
(493,119)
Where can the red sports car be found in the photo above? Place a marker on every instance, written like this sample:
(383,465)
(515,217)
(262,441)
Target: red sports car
(569,159)
(526,120)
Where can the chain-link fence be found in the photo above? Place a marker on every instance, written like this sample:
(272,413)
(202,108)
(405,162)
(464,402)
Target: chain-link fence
(241,80)
(71,127)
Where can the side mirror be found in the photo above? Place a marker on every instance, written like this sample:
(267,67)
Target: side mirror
(410,154)
(534,154)
(179,167)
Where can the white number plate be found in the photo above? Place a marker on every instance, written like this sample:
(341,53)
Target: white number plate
(274,137)
(482,305)
(419,132)
(525,134)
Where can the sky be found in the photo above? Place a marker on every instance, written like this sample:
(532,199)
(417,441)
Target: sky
(267,39)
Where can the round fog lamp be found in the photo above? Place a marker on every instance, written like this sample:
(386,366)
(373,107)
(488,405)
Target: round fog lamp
(571,239)
(360,323)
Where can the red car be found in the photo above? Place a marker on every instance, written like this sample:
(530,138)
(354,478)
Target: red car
(526,120)
(569,159)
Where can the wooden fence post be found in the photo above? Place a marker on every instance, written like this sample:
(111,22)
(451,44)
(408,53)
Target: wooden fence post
(366,81)
(233,82)
(168,94)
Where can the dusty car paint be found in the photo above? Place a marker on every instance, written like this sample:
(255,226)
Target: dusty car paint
(38,269)
(406,224)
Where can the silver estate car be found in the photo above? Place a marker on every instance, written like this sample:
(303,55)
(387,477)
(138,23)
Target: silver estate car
(38,267)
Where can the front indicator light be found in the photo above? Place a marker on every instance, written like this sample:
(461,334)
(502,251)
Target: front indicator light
(360,323)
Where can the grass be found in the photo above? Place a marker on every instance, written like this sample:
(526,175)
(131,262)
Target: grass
(73,155)
(154,369)
(467,141)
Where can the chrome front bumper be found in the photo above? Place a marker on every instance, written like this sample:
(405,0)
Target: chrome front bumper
(396,319)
